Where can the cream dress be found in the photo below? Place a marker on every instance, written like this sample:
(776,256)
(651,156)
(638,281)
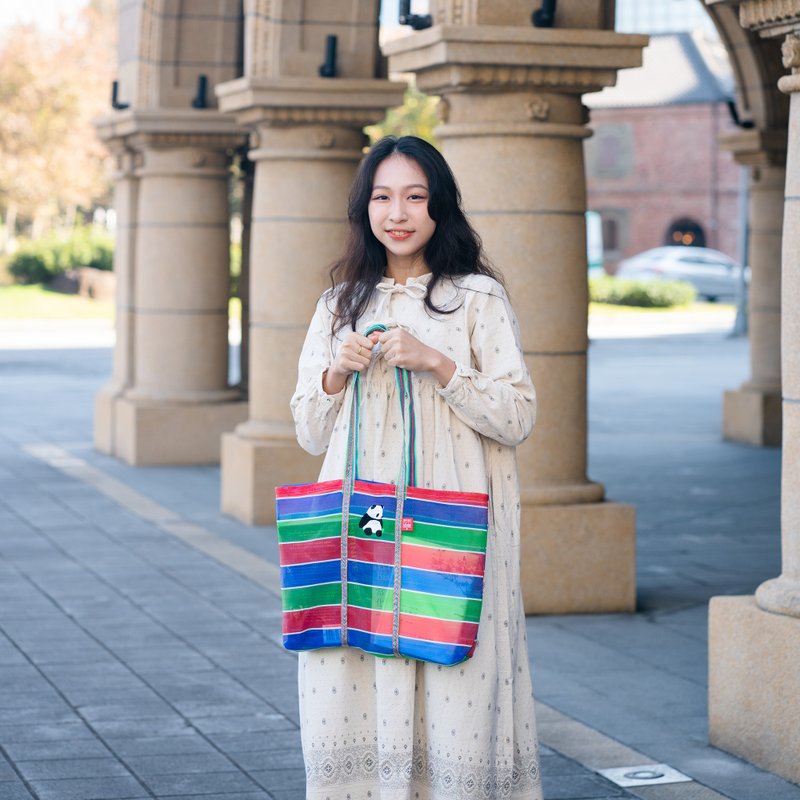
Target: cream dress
(399,729)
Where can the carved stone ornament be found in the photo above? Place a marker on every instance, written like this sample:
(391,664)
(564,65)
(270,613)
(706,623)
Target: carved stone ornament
(455,12)
(324,139)
(299,114)
(511,77)
(763,13)
(538,108)
(790,51)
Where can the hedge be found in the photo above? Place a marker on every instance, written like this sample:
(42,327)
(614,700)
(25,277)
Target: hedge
(42,260)
(645,294)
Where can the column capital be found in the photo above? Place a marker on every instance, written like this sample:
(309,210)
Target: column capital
(756,148)
(459,58)
(170,128)
(353,102)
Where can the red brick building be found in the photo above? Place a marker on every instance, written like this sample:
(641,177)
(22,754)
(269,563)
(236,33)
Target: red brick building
(655,170)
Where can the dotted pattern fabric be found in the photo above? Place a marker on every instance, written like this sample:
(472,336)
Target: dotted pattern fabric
(398,728)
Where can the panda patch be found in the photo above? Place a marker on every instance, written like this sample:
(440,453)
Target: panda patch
(371,521)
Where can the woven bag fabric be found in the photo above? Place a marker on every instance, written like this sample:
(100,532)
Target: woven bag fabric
(393,569)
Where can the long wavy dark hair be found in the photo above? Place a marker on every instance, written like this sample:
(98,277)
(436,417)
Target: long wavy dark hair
(454,249)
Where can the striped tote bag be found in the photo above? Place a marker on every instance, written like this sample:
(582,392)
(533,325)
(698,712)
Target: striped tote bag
(392,569)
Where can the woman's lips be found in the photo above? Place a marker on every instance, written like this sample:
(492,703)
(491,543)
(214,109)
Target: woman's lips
(397,234)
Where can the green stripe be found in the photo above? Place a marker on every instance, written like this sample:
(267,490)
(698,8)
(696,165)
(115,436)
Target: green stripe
(418,603)
(439,607)
(369,597)
(355,531)
(446,536)
(309,596)
(304,530)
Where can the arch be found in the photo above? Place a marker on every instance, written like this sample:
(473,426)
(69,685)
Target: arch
(685,232)
(756,66)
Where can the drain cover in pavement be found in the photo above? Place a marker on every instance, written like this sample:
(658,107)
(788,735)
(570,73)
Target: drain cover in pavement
(643,775)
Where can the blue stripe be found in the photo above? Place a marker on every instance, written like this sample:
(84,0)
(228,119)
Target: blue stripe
(311,574)
(371,642)
(313,639)
(315,505)
(445,583)
(442,513)
(370,574)
(446,654)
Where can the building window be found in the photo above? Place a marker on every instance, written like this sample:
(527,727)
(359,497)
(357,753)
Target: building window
(611,234)
(685,232)
(609,153)
(614,224)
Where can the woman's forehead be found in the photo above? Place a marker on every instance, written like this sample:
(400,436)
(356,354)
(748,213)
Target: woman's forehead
(399,170)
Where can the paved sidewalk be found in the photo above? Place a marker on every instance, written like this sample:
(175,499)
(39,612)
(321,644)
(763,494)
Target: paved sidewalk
(139,631)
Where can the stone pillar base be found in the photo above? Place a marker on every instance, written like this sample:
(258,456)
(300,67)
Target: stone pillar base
(150,434)
(754,684)
(104,402)
(578,558)
(752,416)
(252,468)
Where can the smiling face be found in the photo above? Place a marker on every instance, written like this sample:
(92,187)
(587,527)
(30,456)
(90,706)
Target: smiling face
(398,212)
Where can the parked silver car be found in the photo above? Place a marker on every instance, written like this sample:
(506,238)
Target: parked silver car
(712,273)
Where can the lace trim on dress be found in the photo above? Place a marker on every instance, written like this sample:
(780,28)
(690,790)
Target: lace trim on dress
(440,777)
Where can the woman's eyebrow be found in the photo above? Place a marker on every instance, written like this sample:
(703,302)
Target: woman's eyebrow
(410,186)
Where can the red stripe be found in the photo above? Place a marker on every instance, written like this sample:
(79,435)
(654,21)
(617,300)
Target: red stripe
(375,489)
(366,619)
(466,498)
(309,552)
(306,618)
(374,551)
(439,559)
(438,630)
(306,489)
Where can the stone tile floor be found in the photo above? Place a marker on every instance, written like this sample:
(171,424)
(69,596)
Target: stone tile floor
(135,665)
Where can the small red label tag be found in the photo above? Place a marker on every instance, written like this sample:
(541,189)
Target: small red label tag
(407,524)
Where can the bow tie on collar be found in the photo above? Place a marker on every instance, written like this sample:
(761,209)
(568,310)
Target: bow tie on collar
(412,289)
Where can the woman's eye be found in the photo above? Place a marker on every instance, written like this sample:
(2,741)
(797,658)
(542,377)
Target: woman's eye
(417,197)
(379,197)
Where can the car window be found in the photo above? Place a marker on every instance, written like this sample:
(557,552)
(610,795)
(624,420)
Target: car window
(703,260)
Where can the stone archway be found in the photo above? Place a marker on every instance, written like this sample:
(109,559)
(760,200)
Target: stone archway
(752,413)
(754,641)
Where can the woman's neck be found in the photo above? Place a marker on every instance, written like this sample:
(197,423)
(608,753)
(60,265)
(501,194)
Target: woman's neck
(400,269)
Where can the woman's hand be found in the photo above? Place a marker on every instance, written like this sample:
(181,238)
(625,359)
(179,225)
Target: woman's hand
(353,356)
(401,349)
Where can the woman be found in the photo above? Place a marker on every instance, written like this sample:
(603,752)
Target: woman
(398,728)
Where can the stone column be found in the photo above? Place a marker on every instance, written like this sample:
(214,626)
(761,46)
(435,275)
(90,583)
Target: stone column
(513,132)
(306,145)
(752,413)
(126,190)
(177,402)
(754,642)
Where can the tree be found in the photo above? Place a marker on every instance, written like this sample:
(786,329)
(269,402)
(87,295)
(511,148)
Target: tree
(416,117)
(51,88)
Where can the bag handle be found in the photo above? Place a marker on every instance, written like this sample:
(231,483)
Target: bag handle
(407,474)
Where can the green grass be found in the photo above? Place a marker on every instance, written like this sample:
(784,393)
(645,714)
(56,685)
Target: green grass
(36,302)
(607,309)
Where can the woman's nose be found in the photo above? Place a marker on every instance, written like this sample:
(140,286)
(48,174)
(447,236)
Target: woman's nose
(397,212)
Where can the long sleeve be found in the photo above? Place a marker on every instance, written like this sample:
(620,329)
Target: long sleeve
(313,410)
(496,398)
